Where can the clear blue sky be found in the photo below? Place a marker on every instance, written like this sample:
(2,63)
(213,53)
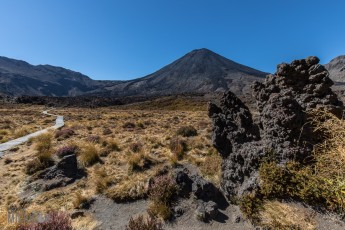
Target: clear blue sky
(131,38)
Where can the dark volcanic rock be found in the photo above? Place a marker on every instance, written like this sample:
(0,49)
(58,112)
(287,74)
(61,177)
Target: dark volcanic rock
(193,183)
(206,211)
(66,167)
(63,173)
(208,197)
(283,100)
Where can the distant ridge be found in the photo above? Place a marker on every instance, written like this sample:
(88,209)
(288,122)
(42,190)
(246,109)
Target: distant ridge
(20,78)
(200,71)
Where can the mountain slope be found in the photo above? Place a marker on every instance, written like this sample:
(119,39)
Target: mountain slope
(200,71)
(336,69)
(21,78)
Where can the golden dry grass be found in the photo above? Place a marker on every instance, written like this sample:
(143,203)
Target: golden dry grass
(277,215)
(330,155)
(112,174)
(19,120)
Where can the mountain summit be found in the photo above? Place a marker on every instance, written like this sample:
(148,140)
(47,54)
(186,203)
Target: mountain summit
(200,71)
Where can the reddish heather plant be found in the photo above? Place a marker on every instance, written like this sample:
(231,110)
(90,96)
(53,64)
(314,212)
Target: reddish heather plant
(107,131)
(64,133)
(129,125)
(55,221)
(66,150)
(136,147)
(162,189)
(93,138)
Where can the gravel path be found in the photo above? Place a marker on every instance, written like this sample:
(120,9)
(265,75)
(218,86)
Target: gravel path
(59,122)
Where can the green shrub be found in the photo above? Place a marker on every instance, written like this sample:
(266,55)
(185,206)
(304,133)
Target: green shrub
(250,205)
(301,183)
(158,209)
(140,125)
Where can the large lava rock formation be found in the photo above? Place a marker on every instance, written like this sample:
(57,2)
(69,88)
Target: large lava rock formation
(284,101)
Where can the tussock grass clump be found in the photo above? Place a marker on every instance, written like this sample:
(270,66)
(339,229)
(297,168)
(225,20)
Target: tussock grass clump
(187,131)
(89,155)
(211,167)
(8,160)
(109,146)
(141,223)
(129,189)
(128,125)
(136,147)
(278,215)
(101,179)
(112,145)
(20,132)
(43,158)
(161,193)
(141,125)
(140,161)
(43,143)
(178,147)
(3,132)
(81,201)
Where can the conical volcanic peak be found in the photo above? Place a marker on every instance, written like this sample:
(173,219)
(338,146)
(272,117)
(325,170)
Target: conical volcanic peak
(199,71)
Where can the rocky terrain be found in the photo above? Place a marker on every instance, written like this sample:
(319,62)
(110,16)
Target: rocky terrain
(336,69)
(171,163)
(283,135)
(284,100)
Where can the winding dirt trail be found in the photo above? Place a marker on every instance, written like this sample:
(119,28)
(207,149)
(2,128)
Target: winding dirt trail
(59,122)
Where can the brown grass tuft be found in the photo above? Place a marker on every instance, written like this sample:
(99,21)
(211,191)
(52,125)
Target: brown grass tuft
(89,155)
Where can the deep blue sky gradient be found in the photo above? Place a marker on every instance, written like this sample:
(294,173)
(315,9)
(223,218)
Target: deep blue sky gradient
(131,38)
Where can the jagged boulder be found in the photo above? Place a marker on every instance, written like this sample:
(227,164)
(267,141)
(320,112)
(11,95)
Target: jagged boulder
(64,172)
(208,197)
(284,101)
